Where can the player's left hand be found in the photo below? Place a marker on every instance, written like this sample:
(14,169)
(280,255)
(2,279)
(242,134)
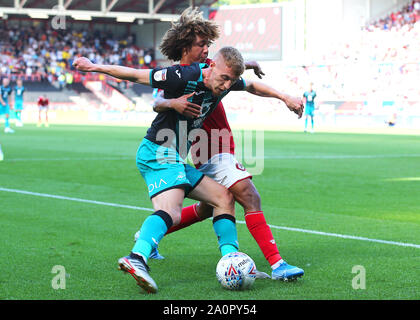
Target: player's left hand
(256,67)
(295,105)
(83,64)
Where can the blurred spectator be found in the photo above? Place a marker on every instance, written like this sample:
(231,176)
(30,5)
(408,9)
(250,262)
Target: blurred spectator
(69,80)
(147,59)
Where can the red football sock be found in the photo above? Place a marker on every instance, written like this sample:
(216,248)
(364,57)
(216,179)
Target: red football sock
(255,221)
(188,217)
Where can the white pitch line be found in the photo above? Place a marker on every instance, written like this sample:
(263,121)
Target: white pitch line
(404,179)
(45,195)
(402,244)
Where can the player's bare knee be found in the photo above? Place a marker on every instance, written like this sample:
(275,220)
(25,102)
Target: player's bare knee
(174,212)
(175,215)
(226,201)
(249,199)
(204,210)
(255,200)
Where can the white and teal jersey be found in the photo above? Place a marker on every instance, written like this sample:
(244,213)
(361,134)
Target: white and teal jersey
(19,97)
(19,93)
(310,97)
(5,93)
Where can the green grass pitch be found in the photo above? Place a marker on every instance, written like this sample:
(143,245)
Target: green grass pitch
(365,186)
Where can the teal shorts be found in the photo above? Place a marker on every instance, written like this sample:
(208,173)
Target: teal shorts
(163,169)
(309,111)
(4,109)
(18,105)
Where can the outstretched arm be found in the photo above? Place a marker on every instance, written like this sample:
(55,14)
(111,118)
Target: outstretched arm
(124,73)
(294,104)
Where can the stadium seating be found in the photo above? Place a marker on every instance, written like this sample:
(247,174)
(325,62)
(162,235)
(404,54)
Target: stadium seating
(43,58)
(388,46)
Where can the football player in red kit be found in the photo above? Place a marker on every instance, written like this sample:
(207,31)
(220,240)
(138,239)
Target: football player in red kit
(43,104)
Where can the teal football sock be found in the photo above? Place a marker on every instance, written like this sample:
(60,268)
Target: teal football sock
(151,232)
(225,228)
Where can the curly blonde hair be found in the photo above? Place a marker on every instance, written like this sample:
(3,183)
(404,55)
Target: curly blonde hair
(183,32)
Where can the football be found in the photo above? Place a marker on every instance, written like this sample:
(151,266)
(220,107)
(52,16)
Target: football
(236,271)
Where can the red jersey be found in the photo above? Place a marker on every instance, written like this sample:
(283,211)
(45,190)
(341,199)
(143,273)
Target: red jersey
(222,139)
(43,101)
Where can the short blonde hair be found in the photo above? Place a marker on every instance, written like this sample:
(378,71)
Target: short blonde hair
(233,59)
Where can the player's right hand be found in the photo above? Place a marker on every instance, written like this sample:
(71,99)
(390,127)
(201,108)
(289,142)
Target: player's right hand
(185,107)
(83,64)
(256,67)
(295,104)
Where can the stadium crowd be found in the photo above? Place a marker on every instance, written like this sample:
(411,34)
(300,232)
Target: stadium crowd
(37,53)
(381,59)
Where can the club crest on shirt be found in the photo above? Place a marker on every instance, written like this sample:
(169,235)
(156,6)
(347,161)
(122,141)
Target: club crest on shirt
(205,108)
(160,75)
(239,166)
